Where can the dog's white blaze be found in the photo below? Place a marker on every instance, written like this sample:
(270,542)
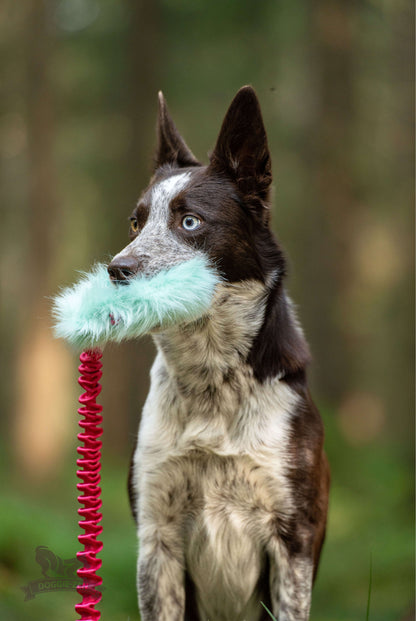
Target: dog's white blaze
(164,191)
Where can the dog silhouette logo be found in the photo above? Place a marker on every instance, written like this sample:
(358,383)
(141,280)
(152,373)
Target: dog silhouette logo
(55,567)
(58,574)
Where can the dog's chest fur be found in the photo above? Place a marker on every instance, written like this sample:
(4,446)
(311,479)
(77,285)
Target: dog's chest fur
(212,457)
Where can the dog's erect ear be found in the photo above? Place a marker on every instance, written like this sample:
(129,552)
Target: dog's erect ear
(171,148)
(241,150)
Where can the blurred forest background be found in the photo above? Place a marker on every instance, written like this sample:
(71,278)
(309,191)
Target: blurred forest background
(77,117)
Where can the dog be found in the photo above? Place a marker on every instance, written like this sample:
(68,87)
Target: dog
(229,481)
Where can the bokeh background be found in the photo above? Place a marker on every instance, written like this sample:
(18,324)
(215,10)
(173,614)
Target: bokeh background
(77,116)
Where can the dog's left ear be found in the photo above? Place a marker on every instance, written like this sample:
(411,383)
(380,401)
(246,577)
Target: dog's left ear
(241,151)
(171,148)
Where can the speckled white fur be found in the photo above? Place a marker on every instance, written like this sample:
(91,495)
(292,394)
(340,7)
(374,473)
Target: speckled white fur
(229,452)
(156,243)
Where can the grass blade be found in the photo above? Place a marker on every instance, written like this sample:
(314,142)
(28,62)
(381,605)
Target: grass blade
(367,616)
(267,610)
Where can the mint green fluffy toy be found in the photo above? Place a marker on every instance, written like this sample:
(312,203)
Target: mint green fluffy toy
(95,310)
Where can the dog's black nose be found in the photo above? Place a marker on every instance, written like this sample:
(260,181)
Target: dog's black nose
(120,270)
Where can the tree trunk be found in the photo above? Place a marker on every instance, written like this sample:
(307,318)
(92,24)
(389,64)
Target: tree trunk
(41,422)
(333,211)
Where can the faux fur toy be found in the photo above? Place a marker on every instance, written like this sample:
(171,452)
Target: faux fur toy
(95,310)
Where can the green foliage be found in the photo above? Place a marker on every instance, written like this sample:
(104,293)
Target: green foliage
(367,519)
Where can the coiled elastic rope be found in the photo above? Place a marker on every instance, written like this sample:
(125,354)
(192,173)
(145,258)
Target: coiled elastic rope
(90,451)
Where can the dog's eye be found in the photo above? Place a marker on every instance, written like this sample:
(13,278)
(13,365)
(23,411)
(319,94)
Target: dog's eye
(190,223)
(134,225)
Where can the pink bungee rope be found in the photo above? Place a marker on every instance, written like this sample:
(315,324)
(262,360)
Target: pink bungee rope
(90,452)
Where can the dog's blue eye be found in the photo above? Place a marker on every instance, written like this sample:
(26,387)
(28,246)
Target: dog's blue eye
(190,223)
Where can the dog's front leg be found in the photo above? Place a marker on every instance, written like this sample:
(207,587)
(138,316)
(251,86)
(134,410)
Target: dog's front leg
(291,577)
(160,576)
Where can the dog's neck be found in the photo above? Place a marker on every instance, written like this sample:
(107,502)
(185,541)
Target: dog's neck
(202,356)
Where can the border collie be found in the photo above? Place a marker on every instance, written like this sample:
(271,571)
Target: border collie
(229,482)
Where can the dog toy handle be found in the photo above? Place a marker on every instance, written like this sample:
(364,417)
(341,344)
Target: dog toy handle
(90,452)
